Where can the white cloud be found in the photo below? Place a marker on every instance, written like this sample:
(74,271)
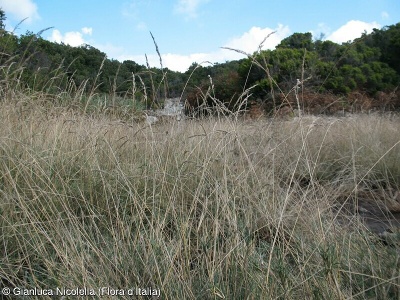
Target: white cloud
(247,42)
(321,32)
(189,8)
(111,50)
(175,62)
(72,38)
(21,9)
(385,15)
(250,41)
(87,30)
(351,30)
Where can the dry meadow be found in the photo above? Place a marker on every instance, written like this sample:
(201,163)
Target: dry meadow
(216,208)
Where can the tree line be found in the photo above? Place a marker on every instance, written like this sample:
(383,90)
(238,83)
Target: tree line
(369,65)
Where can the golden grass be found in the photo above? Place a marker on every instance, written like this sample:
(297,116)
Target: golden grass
(213,208)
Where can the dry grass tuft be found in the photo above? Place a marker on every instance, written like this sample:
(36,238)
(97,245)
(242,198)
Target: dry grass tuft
(217,208)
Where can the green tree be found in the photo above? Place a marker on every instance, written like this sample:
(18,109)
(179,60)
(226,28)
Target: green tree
(327,50)
(3,19)
(388,41)
(298,41)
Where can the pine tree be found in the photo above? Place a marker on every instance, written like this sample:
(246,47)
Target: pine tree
(2,19)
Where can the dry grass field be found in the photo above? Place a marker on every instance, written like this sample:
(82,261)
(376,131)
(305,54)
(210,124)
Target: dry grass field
(218,208)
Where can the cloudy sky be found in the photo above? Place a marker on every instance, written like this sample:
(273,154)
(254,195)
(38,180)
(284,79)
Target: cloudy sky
(188,31)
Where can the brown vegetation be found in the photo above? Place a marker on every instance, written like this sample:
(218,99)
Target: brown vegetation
(199,208)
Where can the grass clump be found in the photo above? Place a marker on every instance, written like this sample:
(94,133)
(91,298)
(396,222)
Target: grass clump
(214,209)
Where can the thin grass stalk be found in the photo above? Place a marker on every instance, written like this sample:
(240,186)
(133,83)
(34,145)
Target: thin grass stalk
(94,85)
(154,100)
(164,73)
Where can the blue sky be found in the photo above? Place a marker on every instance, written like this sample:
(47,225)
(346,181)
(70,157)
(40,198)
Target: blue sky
(190,31)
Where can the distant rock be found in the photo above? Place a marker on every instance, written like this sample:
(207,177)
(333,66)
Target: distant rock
(173,108)
(151,120)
